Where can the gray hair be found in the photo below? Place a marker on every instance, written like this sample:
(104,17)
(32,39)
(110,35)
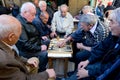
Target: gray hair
(26,7)
(8,24)
(43,13)
(115,15)
(88,19)
(88,8)
(41,3)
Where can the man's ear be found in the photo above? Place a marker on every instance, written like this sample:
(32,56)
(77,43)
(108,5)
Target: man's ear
(11,37)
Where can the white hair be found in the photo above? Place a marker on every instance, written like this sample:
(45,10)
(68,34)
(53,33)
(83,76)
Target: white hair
(88,8)
(26,7)
(8,24)
(41,3)
(115,15)
(64,6)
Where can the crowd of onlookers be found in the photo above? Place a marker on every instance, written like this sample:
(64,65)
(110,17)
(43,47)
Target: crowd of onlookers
(25,37)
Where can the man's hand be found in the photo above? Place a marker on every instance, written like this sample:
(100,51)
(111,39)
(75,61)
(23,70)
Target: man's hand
(53,34)
(65,36)
(43,47)
(83,64)
(80,46)
(44,38)
(61,43)
(82,73)
(33,62)
(51,73)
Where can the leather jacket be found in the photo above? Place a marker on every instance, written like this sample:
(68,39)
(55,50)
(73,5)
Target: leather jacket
(29,40)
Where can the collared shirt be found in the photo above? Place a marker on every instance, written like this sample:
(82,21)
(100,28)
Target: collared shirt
(7,45)
(62,24)
(93,28)
(12,47)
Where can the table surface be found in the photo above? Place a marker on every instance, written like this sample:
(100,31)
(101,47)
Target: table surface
(57,52)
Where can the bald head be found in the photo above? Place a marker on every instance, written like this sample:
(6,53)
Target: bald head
(10,29)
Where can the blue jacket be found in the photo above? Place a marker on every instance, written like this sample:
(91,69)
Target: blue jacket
(105,53)
(112,73)
(104,48)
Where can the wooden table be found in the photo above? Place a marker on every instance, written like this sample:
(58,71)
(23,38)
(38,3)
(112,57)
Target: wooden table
(59,53)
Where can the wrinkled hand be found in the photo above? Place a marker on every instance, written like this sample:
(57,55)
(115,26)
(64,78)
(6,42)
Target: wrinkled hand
(43,47)
(61,43)
(53,34)
(83,64)
(33,62)
(65,36)
(44,38)
(51,73)
(82,73)
(80,46)
(49,26)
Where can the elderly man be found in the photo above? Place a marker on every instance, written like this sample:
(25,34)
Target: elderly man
(104,55)
(43,7)
(89,35)
(62,23)
(40,23)
(29,43)
(13,67)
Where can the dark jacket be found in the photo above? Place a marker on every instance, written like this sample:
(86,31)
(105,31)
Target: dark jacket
(41,27)
(15,10)
(105,53)
(29,40)
(50,12)
(89,39)
(4,10)
(12,67)
(112,73)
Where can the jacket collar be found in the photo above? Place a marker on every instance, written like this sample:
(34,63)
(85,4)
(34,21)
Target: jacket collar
(6,48)
(93,28)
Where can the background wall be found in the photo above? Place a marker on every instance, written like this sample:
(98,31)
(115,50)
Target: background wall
(76,5)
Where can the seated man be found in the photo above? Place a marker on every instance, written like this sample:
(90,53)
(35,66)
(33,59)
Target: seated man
(42,7)
(89,35)
(29,43)
(40,22)
(103,55)
(13,67)
(62,23)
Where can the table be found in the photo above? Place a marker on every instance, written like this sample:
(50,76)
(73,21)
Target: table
(59,53)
